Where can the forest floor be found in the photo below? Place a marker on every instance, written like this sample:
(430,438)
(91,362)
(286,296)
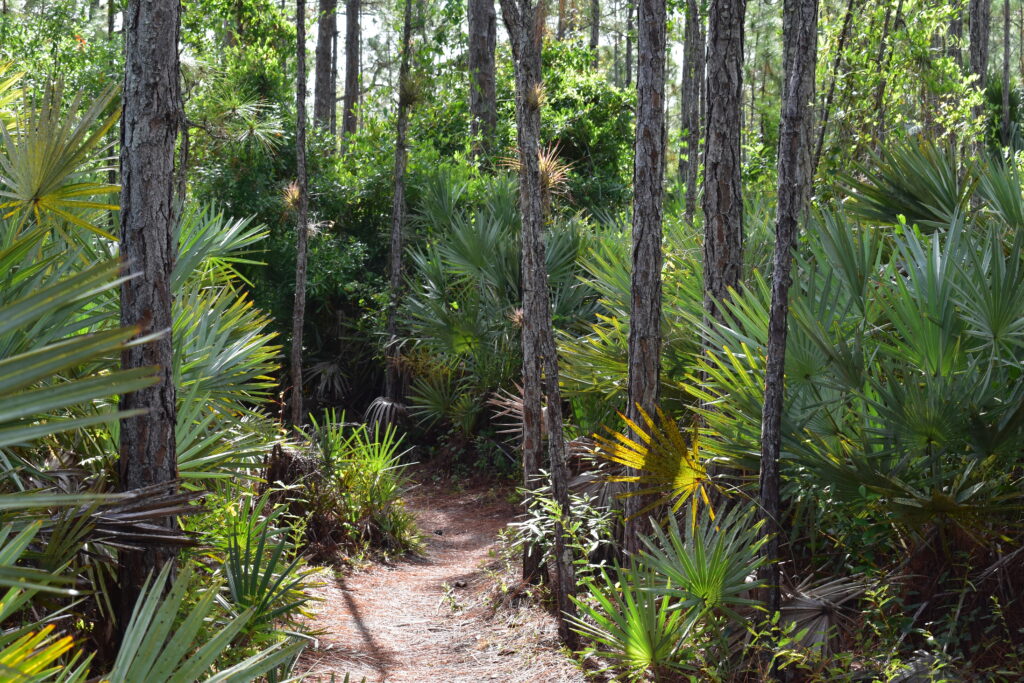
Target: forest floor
(447,615)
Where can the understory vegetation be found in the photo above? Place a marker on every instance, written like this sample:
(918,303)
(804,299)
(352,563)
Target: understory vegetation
(261,507)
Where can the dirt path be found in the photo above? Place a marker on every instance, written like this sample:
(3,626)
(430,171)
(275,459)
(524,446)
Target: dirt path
(428,618)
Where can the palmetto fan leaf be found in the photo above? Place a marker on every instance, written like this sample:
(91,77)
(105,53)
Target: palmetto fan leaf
(630,623)
(9,92)
(46,169)
(32,404)
(920,182)
(159,648)
(211,246)
(264,573)
(670,464)
(708,569)
(35,658)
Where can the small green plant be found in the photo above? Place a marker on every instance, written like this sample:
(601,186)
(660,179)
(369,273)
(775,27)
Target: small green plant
(710,569)
(354,499)
(154,650)
(632,624)
(589,525)
(264,573)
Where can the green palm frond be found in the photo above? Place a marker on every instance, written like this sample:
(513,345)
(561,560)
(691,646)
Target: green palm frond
(214,443)
(33,404)
(630,623)
(920,182)
(709,569)
(46,170)
(223,350)
(263,572)
(211,246)
(19,579)
(1000,188)
(158,648)
(434,396)
(9,92)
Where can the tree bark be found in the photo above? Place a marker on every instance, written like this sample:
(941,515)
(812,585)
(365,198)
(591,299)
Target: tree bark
(595,29)
(325,89)
(334,77)
(630,4)
(302,208)
(723,198)
(393,383)
(980,24)
(149,129)
(348,117)
(693,74)
(1006,128)
(524,22)
(483,105)
(645,285)
(800,31)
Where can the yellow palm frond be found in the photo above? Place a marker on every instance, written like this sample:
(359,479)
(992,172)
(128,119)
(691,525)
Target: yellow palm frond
(669,464)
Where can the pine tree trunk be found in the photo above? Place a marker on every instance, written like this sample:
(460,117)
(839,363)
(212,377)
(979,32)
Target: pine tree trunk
(645,286)
(595,28)
(325,89)
(524,22)
(630,4)
(980,26)
(616,73)
(149,129)
(1006,127)
(348,117)
(693,74)
(334,79)
(302,228)
(483,104)
(723,198)
(800,50)
(393,384)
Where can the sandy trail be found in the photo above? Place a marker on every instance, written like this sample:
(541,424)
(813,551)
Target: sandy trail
(426,618)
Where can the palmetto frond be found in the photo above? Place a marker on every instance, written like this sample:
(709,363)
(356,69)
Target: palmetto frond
(709,567)
(9,93)
(669,464)
(35,400)
(631,623)
(153,650)
(46,169)
(36,657)
(920,182)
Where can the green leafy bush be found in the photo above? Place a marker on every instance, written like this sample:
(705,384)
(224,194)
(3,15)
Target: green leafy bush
(588,525)
(351,491)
